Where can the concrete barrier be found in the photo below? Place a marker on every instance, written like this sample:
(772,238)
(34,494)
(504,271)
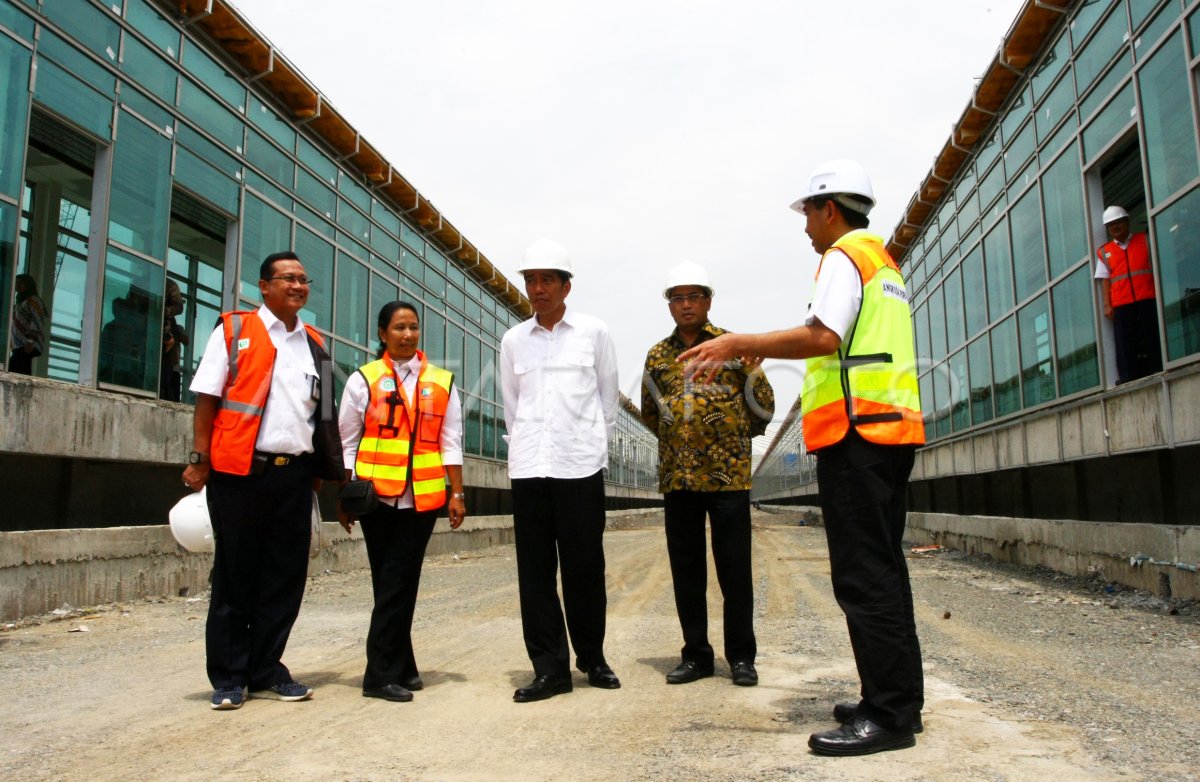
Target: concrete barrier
(40,570)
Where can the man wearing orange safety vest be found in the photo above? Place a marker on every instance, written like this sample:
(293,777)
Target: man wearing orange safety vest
(264,435)
(1127,285)
(862,418)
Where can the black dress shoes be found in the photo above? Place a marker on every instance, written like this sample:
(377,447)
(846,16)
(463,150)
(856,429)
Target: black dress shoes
(543,687)
(415,684)
(389,692)
(603,677)
(688,671)
(844,712)
(859,736)
(743,674)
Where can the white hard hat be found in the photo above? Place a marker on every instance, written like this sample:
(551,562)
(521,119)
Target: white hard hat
(546,254)
(190,523)
(1113,214)
(687,273)
(839,177)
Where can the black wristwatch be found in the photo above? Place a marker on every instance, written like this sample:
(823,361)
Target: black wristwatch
(195,457)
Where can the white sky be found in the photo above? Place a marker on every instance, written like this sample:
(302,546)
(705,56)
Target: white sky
(642,134)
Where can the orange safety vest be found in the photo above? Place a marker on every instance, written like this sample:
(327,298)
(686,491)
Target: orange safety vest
(1131,276)
(247,383)
(387,447)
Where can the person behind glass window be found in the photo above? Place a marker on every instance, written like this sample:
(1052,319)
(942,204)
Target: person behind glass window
(28,326)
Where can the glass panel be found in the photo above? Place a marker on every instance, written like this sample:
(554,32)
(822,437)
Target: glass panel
(353,221)
(1194,32)
(1085,19)
(354,191)
(270,123)
(1016,115)
(1170,134)
(960,411)
(998,261)
(1062,136)
(991,185)
(988,152)
(317,256)
(382,293)
(312,190)
(1100,50)
(316,160)
(975,298)
(346,359)
(131,334)
(1029,249)
(955,318)
(205,181)
(140,199)
(1140,9)
(1108,123)
(202,109)
(151,112)
(16,21)
(1055,107)
(385,245)
(314,220)
(204,148)
(927,407)
(412,239)
(1177,233)
(1066,227)
(921,334)
(1019,151)
(454,349)
(195,265)
(1104,87)
(264,231)
(937,326)
(269,160)
(1050,66)
(979,355)
(1006,368)
(471,425)
(472,355)
(384,216)
(268,188)
(216,78)
(87,24)
(1075,333)
(353,317)
(154,26)
(433,335)
(14,107)
(1148,37)
(1037,362)
(73,99)
(149,70)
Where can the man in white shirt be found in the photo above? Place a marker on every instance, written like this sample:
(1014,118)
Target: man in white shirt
(558,374)
(264,434)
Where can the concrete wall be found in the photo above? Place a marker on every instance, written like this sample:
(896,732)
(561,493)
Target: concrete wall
(41,570)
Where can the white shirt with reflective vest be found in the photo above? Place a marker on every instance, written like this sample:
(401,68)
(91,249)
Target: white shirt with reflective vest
(355,397)
(560,396)
(837,297)
(289,416)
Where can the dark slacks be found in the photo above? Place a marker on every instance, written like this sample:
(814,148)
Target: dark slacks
(863,500)
(262,526)
(729,517)
(21,362)
(396,541)
(553,519)
(1135,331)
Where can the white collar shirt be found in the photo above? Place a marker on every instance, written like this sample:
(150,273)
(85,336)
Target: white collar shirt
(351,412)
(289,416)
(560,394)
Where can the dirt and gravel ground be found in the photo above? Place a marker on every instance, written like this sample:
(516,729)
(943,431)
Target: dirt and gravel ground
(1029,677)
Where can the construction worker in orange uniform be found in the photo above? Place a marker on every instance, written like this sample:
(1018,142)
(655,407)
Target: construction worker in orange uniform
(1127,286)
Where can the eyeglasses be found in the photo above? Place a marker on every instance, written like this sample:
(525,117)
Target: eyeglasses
(293,279)
(691,298)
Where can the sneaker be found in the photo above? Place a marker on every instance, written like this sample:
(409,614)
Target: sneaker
(285,691)
(228,698)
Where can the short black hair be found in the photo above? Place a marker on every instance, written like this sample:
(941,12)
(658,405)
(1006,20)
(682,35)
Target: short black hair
(264,271)
(853,219)
(563,276)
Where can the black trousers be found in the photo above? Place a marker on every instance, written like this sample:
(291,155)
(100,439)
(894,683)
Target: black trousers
(262,526)
(729,517)
(396,541)
(553,519)
(21,362)
(1135,330)
(862,487)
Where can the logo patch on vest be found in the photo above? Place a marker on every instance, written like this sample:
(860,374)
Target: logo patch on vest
(388,385)
(244,343)
(426,392)
(894,291)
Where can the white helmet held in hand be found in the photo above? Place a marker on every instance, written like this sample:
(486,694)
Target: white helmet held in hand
(1113,214)
(839,177)
(687,273)
(190,523)
(546,254)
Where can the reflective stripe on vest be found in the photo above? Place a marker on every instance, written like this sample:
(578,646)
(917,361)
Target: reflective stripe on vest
(871,382)
(1131,277)
(388,449)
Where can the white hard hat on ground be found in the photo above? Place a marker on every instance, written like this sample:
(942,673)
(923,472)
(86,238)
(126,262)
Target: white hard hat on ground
(546,254)
(1113,214)
(687,273)
(839,177)
(190,523)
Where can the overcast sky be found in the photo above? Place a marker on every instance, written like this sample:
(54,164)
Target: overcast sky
(641,134)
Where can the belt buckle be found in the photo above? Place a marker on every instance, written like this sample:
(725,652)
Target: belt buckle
(280,461)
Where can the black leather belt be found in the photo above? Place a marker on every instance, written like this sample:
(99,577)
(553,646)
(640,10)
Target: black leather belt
(277,459)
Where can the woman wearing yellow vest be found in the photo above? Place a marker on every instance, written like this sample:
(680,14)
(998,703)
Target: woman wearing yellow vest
(401,426)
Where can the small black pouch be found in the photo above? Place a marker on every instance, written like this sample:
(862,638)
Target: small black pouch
(357,498)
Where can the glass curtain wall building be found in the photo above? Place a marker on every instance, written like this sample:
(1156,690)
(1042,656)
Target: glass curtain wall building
(999,250)
(152,153)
